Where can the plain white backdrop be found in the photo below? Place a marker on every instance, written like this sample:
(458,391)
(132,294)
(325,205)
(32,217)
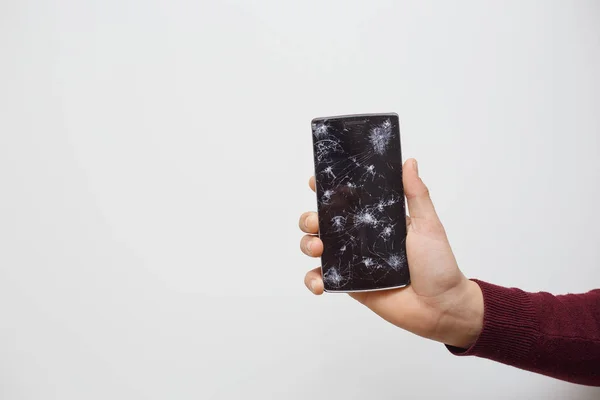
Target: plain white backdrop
(154,159)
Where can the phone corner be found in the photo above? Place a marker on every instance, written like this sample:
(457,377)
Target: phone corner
(316,120)
(394,115)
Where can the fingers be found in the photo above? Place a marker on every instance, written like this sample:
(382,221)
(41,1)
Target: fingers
(311,246)
(312,183)
(314,281)
(417,194)
(309,223)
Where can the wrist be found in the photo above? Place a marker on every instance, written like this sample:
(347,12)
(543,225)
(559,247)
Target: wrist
(464,318)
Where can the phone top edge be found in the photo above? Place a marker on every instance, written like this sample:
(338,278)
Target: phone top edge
(348,116)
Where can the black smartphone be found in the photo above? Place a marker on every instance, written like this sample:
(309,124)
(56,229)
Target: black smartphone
(360,199)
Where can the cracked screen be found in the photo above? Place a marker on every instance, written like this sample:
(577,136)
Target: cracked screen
(362,218)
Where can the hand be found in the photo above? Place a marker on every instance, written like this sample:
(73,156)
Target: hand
(440,303)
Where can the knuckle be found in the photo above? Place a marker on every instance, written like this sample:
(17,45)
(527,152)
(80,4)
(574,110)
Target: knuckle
(303,244)
(302,220)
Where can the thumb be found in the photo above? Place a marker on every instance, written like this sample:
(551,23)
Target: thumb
(419,203)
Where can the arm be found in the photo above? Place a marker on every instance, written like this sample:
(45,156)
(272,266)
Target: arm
(557,336)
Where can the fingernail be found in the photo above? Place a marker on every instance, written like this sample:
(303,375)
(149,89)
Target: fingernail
(416,166)
(306,222)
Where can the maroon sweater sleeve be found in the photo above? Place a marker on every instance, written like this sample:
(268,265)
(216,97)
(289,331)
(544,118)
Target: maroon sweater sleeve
(558,336)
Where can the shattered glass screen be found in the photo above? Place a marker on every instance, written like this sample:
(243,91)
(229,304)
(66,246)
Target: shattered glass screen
(358,169)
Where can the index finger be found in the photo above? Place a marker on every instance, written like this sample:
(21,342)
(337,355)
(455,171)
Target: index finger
(312,183)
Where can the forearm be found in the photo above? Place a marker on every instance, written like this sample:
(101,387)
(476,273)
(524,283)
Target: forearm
(558,336)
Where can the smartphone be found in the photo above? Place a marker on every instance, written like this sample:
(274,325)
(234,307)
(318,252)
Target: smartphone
(360,199)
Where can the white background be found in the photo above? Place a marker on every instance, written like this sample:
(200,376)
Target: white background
(154,157)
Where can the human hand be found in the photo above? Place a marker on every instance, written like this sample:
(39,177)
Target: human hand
(440,303)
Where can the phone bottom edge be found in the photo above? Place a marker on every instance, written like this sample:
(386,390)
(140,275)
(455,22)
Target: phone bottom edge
(366,290)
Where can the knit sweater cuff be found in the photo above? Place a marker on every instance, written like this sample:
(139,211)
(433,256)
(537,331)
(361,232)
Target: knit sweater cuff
(510,326)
